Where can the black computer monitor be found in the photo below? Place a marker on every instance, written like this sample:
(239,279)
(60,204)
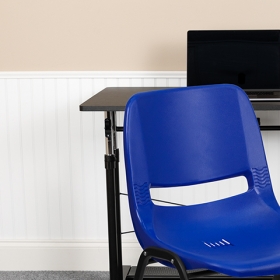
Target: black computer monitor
(247,58)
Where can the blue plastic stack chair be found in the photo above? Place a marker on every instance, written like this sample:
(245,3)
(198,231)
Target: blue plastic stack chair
(185,137)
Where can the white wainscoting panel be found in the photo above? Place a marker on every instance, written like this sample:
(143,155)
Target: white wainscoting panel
(52,176)
(52,179)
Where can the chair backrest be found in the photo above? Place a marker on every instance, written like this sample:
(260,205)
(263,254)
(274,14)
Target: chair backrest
(192,135)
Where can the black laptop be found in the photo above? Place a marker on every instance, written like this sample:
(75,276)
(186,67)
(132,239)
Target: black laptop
(247,58)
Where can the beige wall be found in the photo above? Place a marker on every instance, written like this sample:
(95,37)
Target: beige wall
(89,35)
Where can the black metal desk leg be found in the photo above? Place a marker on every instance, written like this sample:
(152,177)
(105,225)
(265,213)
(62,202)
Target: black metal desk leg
(113,200)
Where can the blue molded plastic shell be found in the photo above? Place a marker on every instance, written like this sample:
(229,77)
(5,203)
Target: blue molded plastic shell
(193,135)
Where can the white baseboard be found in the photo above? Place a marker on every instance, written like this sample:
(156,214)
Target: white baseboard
(62,256)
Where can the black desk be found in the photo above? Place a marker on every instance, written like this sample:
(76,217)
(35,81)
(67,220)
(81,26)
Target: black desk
(115,99)
(110,100)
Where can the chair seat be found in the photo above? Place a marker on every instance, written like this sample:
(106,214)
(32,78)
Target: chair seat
(238,236)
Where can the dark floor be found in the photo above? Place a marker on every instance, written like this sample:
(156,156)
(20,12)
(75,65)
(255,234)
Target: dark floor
(54,275)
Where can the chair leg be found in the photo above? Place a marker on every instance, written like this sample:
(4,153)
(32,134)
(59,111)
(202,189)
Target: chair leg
(161,254)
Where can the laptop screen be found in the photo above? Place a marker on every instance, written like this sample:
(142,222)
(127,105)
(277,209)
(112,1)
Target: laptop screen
(247,58)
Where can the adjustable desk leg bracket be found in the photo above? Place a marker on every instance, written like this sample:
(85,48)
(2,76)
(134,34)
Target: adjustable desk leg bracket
(113,208)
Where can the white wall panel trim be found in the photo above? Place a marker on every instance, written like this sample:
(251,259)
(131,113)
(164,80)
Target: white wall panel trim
(92,74)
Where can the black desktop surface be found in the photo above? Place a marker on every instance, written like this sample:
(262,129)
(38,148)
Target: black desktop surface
(115,99)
